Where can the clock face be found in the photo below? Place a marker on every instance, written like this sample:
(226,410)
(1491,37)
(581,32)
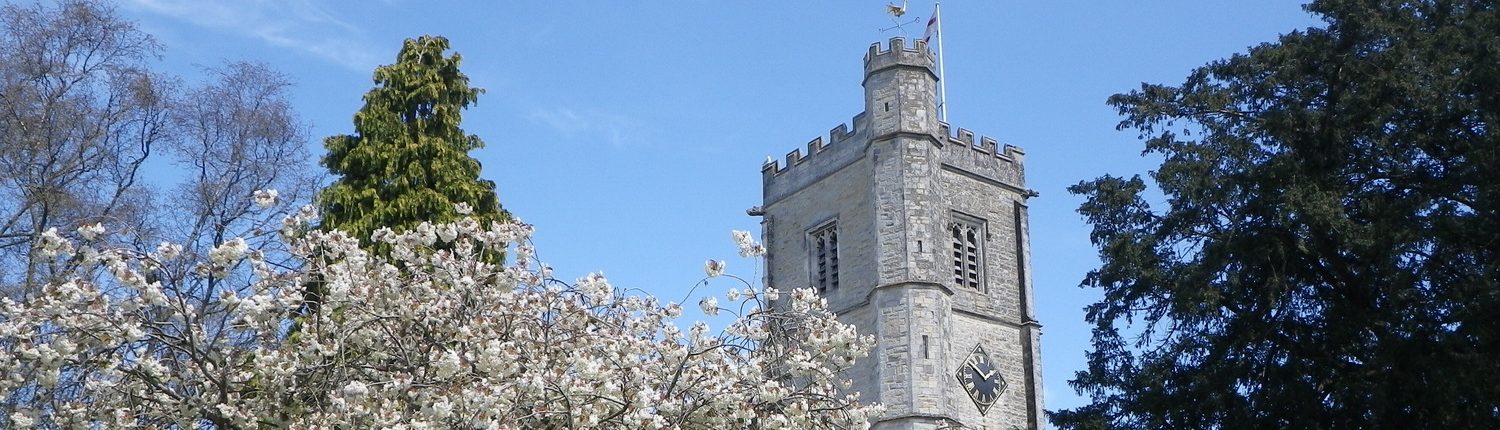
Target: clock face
(981,379)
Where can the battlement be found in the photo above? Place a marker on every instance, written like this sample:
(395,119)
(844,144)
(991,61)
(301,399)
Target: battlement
(845,145)
(959,150)
(836,137)
(988,146)
(897,53)
(983,158)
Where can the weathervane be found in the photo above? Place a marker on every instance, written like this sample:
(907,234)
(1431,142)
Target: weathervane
(934,28)
(896,13)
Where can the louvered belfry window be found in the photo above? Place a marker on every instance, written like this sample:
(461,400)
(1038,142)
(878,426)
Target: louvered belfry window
(968,260)
(825,256)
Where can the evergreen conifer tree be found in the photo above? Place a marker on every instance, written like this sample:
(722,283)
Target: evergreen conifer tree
(1328,254)
(407,161)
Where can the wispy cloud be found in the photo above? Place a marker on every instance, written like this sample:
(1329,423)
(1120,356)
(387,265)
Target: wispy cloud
(295,24)
(614,129)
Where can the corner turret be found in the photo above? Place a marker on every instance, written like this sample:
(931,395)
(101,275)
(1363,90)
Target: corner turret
(901,89)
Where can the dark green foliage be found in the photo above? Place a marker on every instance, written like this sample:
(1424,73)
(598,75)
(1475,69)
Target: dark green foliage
(408,160)
(1328,254)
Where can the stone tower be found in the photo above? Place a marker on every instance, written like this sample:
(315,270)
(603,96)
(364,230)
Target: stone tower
(916,236)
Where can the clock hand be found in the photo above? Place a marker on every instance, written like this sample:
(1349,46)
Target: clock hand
(992,372)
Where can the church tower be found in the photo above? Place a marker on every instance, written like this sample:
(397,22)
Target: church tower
(918,236)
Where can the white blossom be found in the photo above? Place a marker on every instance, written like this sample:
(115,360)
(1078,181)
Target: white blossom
(447,232)
(710,305)
(446,365)
(383,235)
(22,419)
(265,198)
(714,268)
(50,244)
(419,337)
(748,246)
(355,389)
(228,252)
(91,231)
(168,251)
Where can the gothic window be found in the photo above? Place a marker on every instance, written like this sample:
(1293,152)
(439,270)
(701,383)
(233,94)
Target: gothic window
(968,247)
(825,257)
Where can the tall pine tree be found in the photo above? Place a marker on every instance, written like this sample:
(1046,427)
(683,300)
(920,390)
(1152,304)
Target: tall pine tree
(408,160)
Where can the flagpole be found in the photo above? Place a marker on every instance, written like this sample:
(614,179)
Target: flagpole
(937,12)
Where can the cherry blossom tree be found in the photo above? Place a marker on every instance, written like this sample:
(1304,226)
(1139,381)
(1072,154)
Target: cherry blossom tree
(431,335)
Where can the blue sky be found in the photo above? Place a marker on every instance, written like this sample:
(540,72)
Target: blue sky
(632,133)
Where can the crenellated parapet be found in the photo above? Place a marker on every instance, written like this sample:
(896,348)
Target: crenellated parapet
(836,140)
(845,144)
(961,150)
(901,114)
(897,54)
(986,158)
(964,138)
